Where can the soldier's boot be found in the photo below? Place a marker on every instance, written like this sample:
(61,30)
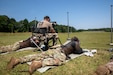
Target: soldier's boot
(34,65)
(102,70)
(12,63)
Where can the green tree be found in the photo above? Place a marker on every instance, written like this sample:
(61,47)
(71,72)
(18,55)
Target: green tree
(4,21)
(12,24)
(26,25)
(32,25)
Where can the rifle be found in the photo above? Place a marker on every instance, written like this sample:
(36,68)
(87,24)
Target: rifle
(36,45)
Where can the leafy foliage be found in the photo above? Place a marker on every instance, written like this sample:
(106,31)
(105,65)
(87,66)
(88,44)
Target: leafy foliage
(11,25)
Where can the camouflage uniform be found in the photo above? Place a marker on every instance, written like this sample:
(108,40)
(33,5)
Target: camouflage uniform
(45,24)
(110,66)
(10,48)
(48,25)
(50,35)
(47,36)
(48,57)
(19,45)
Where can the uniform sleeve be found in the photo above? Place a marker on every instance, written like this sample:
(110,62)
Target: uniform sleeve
(50,25)
(51,28)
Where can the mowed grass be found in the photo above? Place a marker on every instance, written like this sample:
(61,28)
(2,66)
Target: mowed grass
(82,65)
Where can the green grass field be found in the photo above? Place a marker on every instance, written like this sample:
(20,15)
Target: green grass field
(83,65)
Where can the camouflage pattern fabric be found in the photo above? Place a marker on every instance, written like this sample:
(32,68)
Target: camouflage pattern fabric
(48,35)
(10,48)
(46,38)
(39,36)
(49,57)
(110,66)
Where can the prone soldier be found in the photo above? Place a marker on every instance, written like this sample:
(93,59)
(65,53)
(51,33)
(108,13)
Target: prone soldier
(37,39)
(106,69)
(49,57)
(19,45)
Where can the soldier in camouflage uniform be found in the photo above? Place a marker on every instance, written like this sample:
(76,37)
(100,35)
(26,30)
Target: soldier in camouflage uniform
(50,33)
(50,57)
(46,58)
(39,38)
(46,24)
(19,45)
(106,69)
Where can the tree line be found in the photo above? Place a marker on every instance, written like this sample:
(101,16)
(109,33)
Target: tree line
(11,25)
(98,29)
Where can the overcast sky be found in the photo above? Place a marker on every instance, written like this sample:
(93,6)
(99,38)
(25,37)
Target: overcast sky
(83,14)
